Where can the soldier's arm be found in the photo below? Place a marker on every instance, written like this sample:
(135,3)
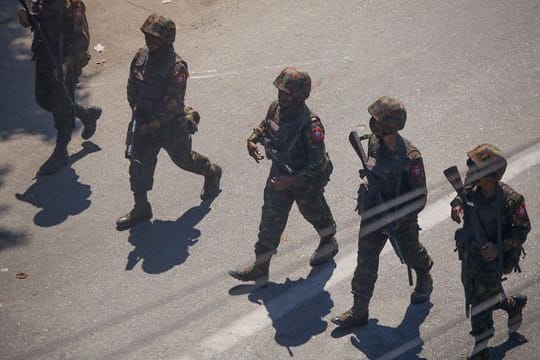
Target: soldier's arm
(131,88)
(416,178)
(256,134)
(172,103)
(77,38)
(316,150)
(520,227)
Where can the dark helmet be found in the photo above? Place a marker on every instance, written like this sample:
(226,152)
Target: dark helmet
(486,160)
(294,82)
(391,114)
(160,27)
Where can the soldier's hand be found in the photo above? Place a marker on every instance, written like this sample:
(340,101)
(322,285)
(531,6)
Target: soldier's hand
(281,183)
(489,252)
(253,151)
(457,213)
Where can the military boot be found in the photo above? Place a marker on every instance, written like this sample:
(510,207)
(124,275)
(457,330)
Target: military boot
(481,349)
(141,212)
(481,355)
(515,312)
(424,285)
(211,183)
(257,272)
(89,117)
(327,249)
(357,315)
(59,157)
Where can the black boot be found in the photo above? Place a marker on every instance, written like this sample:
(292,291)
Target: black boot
(514,307)
(141,212)
(257,272)
(211,183)
(357,315)
(89,117)
(481,350)
(59,157)
(423,288)
(327,249)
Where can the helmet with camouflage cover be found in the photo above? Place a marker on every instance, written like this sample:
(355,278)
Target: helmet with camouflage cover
(294,82)
(486,160)
(391,115)
(160,27)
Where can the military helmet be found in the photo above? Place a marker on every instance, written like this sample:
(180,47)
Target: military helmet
(295,82)
(391,114)
(487,160)
(160,27)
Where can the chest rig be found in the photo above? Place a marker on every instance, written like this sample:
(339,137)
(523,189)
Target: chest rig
(151,75)
(389,167)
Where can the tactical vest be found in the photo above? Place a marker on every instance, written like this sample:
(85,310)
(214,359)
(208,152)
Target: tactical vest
(286,132)
(151,75)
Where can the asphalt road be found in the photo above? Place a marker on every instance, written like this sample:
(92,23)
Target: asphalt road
(468,72)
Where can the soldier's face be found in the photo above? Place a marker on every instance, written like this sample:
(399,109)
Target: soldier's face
(287,101)
(153,43)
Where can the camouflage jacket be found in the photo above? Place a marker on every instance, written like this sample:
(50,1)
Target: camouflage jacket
(400,174)
(505,212)
(65,25)
(157,86)
(299,138)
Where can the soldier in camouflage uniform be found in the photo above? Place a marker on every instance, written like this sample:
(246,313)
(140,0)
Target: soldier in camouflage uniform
(300,170)
(503,216)
(156,89)
(64,24)
(398,165)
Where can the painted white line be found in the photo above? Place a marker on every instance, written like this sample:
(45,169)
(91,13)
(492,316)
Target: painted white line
(244,327)
(212,74)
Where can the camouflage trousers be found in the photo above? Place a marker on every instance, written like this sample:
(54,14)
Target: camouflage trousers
(275,213)
(483,289)
(369,250)
(147,149)
(51,96)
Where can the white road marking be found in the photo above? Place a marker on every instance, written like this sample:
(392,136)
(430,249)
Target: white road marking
(244,327)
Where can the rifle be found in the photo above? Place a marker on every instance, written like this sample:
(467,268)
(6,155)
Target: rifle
(372,179)
(454,178)
(131,152)
(36,27)
(273,154)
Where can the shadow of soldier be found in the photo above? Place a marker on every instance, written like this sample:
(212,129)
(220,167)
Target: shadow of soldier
(296,322)
(9,238)
(385,342)
(162,245)
(60,195)
(513,341)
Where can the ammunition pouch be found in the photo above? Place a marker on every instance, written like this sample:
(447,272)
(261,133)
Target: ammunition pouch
(363,190)
(324,177)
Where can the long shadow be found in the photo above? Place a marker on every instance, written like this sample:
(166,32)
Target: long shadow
(296,322)
(514,340)
(384,342)
(60,195)
(162,245)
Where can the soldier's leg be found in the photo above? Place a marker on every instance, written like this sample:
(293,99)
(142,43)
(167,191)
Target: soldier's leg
(141,178)
(313,206)
(275,212)
(365,276)
(417,257)
(485,298)
(514,305)
(184,157)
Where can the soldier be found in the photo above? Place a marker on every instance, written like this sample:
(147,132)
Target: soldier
(399,168)
(502,215)
(62,42)
(293,138)
(155,92)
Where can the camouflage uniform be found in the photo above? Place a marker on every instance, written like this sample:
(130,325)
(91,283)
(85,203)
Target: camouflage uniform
(503,217)
(65,26)
(402,184)
(298,137)
(155,92)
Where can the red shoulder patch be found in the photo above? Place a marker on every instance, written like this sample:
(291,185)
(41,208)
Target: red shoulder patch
(316,134)
(78,14)
(521,211)
(416,171)
(180,78)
